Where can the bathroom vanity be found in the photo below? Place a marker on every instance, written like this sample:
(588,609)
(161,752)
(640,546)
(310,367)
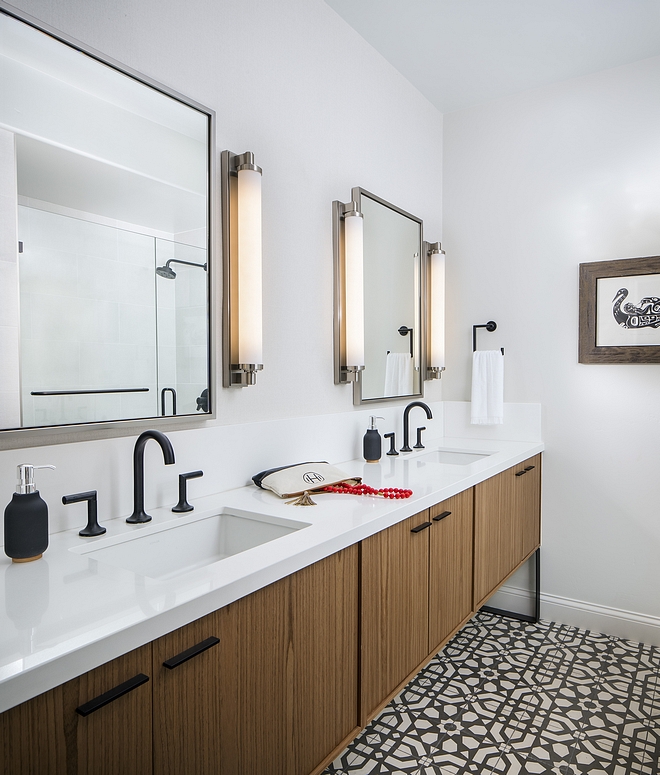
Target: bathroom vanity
(271,660)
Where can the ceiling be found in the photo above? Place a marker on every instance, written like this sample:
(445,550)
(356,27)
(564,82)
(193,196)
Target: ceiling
(460,53)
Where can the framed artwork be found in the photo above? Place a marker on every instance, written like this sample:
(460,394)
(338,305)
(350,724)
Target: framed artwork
(620,311)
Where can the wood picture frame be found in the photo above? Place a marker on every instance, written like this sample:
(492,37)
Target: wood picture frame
(634,316)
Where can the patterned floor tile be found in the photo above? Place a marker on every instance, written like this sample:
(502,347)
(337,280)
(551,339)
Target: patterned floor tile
(505,697)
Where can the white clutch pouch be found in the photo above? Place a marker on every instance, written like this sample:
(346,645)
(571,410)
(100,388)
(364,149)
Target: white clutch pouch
(289,481)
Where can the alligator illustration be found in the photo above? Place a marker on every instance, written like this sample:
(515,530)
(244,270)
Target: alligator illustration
(645,315)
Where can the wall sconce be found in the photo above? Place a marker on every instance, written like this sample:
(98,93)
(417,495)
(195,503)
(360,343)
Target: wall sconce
(435,256)
(347,230)
(242,355)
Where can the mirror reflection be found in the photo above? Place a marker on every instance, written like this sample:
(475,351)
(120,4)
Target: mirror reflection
(392,301)
(104,281)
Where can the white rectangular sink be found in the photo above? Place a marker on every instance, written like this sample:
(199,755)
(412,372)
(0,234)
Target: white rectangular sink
(453,457)
(188,543)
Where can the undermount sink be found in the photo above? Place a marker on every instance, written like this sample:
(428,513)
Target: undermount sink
(187,543)
(455,457)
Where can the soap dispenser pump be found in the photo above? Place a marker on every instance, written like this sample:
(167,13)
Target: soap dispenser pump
(372,444)
(26,518)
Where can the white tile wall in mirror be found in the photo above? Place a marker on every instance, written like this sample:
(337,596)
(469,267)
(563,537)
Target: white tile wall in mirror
(107,179)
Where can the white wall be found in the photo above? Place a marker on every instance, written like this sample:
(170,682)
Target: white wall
(322,112)
(533,185)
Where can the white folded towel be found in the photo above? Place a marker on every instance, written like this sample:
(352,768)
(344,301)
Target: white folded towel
(487,387)
(398,374)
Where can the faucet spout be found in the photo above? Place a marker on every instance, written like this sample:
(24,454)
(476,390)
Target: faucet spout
(139,515)
(406,422)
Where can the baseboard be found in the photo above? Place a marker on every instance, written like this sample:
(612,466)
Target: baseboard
(588,616)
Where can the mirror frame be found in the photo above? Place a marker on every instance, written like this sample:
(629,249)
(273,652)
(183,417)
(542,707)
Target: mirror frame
(122,427)
(356,196)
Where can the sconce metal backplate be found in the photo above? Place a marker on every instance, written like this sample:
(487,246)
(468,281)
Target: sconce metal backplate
(430,372)
(234,374)
(342,374)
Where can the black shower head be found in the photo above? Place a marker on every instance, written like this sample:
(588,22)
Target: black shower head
(169,274)
(166,271)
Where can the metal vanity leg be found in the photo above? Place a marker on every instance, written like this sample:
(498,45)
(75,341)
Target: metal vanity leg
(537,598)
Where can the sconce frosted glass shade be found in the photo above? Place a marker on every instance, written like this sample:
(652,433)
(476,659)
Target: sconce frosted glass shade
(354,276)
(250,350)
(437,310)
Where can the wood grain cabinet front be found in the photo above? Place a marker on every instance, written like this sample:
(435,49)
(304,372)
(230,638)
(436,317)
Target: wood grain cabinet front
(271,688)
(507,525)
(450,567)
(395,608)
(416,590)
(96,724)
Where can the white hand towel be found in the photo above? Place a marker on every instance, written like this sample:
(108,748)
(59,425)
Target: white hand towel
(398,374)
(487,387)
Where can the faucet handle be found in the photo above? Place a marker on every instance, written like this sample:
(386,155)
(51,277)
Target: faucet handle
(183,505)
(419,444)
(392,438)
(93,528)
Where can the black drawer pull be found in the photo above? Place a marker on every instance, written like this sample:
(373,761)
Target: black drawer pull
(522,473)
(113,694)
(530,468)
(193,651)
(421,527)
(441,516)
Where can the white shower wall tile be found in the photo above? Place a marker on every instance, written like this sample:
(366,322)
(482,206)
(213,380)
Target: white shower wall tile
(8,241)
(10,409)
(135,249)
(137,324)
(98,321)
(48,272)
(8,293)
(49,365)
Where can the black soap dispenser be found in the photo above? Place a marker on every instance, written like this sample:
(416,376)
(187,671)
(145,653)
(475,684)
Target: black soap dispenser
(26,518)
(372,444)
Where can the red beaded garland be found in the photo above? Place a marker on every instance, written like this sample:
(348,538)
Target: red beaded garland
(365,489)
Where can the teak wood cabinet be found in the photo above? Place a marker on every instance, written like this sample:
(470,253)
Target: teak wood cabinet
(279,681)
(416,591)
(507,525)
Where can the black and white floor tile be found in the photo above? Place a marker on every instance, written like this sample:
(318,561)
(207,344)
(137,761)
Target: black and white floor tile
(505,697)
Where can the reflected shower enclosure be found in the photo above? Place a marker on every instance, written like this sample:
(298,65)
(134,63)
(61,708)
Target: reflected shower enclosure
(105,202)
(96,315)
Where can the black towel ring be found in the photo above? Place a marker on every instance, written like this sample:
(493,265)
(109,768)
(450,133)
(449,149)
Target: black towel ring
(490,326)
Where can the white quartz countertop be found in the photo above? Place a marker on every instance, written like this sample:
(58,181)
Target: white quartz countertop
(67,613)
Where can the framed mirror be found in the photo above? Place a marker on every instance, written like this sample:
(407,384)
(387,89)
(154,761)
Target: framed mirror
(104,251)
(393,293)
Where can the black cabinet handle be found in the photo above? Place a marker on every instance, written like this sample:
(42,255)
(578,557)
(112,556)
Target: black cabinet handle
(522,473)
(112,695)
(421,527)
(530,468)
(441,516)
(193,651)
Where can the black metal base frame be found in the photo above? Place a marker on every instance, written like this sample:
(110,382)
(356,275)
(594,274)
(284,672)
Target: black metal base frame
(537,598)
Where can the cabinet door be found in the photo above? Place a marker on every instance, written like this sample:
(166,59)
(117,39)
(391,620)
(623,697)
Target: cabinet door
(528,507)
(256,673)
(450,566)
(506,524)
(324,606)
(394,624)
(186,693)
(495,548)
(289,691)
(46,735)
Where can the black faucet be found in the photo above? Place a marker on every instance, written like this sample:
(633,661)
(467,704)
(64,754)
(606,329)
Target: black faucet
(406,422)
(138,516)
